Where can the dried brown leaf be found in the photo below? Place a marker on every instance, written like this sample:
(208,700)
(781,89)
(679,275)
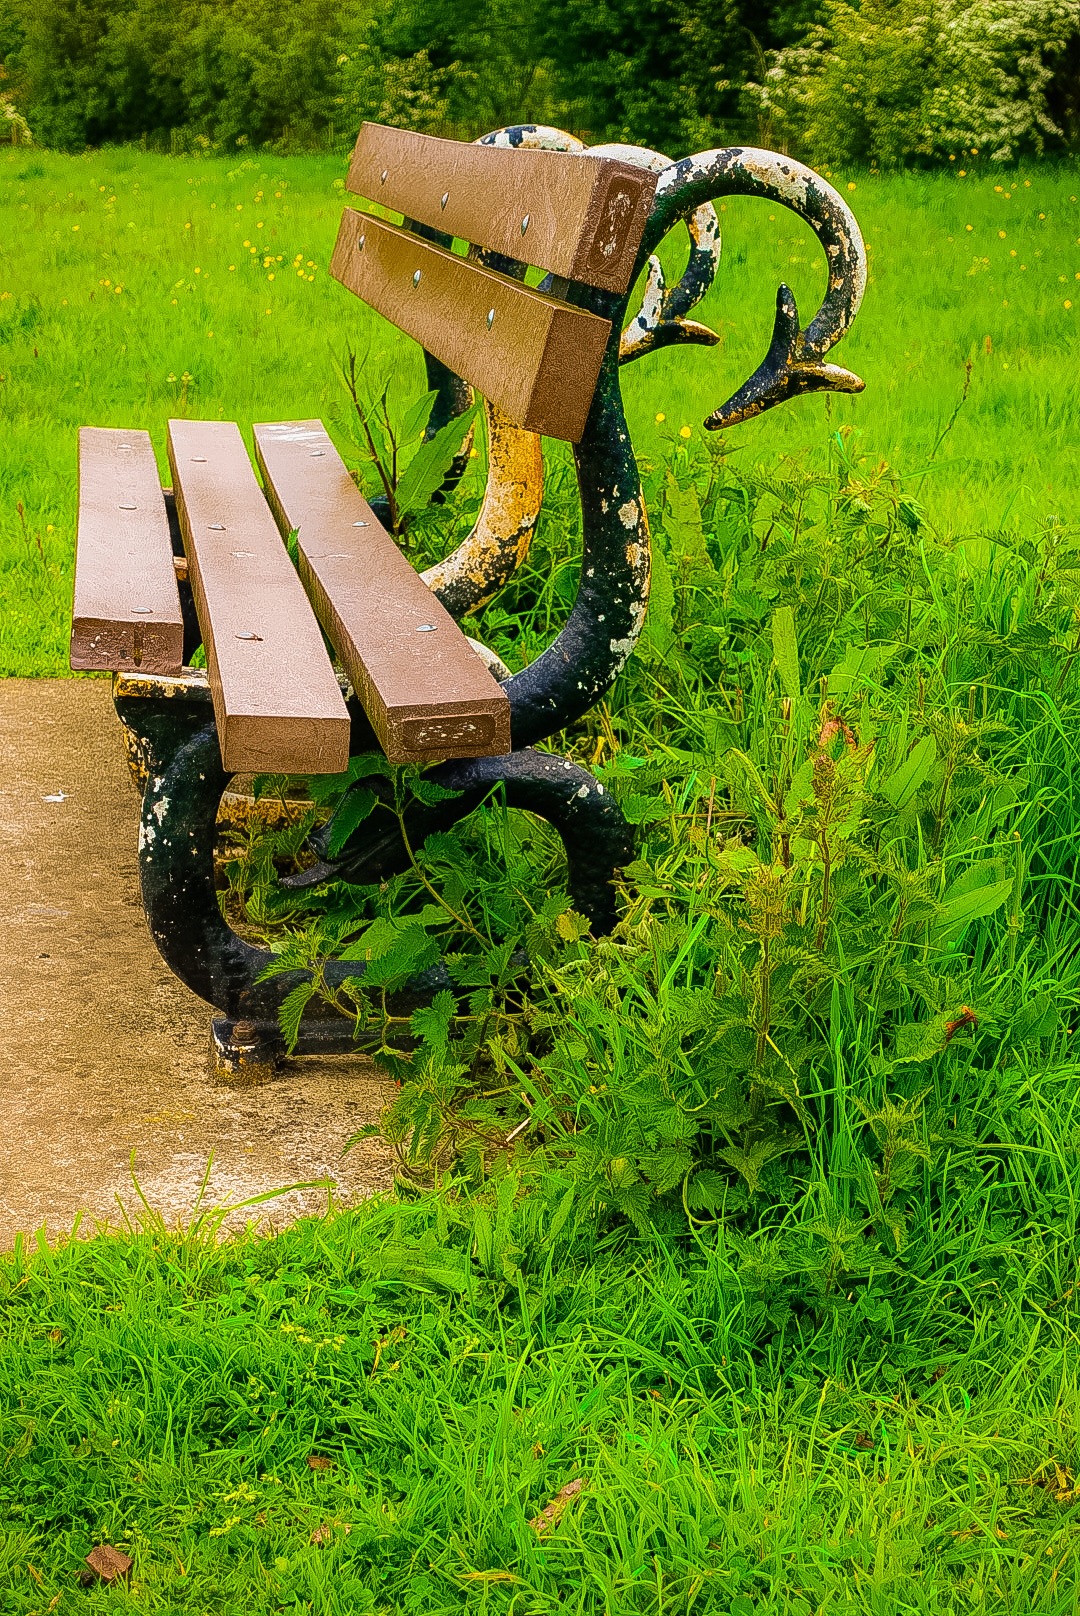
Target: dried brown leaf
(550,1513)
(107,1563)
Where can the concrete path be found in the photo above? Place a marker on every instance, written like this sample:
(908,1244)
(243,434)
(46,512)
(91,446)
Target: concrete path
(102,1052)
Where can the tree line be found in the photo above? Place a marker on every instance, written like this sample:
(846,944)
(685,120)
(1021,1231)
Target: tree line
(888,81)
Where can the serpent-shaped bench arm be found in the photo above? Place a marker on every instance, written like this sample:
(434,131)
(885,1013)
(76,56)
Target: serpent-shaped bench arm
(577,669)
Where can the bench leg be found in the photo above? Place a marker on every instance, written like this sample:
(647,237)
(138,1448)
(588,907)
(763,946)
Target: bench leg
(184,786)
(179,890)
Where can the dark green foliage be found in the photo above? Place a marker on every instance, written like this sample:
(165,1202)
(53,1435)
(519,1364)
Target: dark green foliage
(846,943)
(299,74)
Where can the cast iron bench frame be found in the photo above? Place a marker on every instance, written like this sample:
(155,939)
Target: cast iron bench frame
(161,572)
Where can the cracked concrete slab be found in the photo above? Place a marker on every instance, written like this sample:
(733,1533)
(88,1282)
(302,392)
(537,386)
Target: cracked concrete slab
(104,1055)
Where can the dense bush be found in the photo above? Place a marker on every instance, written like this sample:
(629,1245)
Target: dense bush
(260,71)
(836,953)
(896,81)
(295,75)
(886,81)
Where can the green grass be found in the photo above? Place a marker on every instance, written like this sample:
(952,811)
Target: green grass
(812,1344)
(76,351)
(165,1395)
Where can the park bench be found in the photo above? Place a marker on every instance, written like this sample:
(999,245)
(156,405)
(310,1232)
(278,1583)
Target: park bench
(160,572)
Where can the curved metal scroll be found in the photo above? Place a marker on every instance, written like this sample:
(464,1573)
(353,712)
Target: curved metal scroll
(176,861)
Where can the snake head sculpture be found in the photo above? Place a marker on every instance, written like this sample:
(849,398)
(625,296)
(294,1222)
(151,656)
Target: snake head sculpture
(783,373)
(795,362)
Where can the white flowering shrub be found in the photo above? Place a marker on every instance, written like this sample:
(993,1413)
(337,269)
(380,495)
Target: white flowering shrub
(896,81)
(14,129)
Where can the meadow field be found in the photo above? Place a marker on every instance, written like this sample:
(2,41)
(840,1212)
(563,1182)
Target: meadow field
(135,287)
(764,1301)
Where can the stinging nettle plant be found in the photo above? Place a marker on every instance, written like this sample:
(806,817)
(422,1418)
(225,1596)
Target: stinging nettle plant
(835,926)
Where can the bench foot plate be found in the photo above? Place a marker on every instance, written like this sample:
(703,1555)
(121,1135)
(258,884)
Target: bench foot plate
(246,1052)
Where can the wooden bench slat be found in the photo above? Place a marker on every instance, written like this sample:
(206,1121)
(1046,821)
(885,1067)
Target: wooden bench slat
(568,212)
(278,705)
(536,358)
(422,685)
(126,615)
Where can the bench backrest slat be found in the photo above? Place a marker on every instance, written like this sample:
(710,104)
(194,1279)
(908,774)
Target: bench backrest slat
(126,615)
(277,701)
(567,212)
(422,685)
(536,358)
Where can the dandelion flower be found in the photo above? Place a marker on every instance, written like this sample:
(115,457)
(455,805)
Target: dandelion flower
(969,227)
(1068,303)
(1001,233)
(851,185)
(661,417)
(684,432)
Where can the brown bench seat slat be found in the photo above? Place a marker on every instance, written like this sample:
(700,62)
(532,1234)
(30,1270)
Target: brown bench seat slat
(422,685)
(536,358)
(277,702)
(126,615)
(568,212)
